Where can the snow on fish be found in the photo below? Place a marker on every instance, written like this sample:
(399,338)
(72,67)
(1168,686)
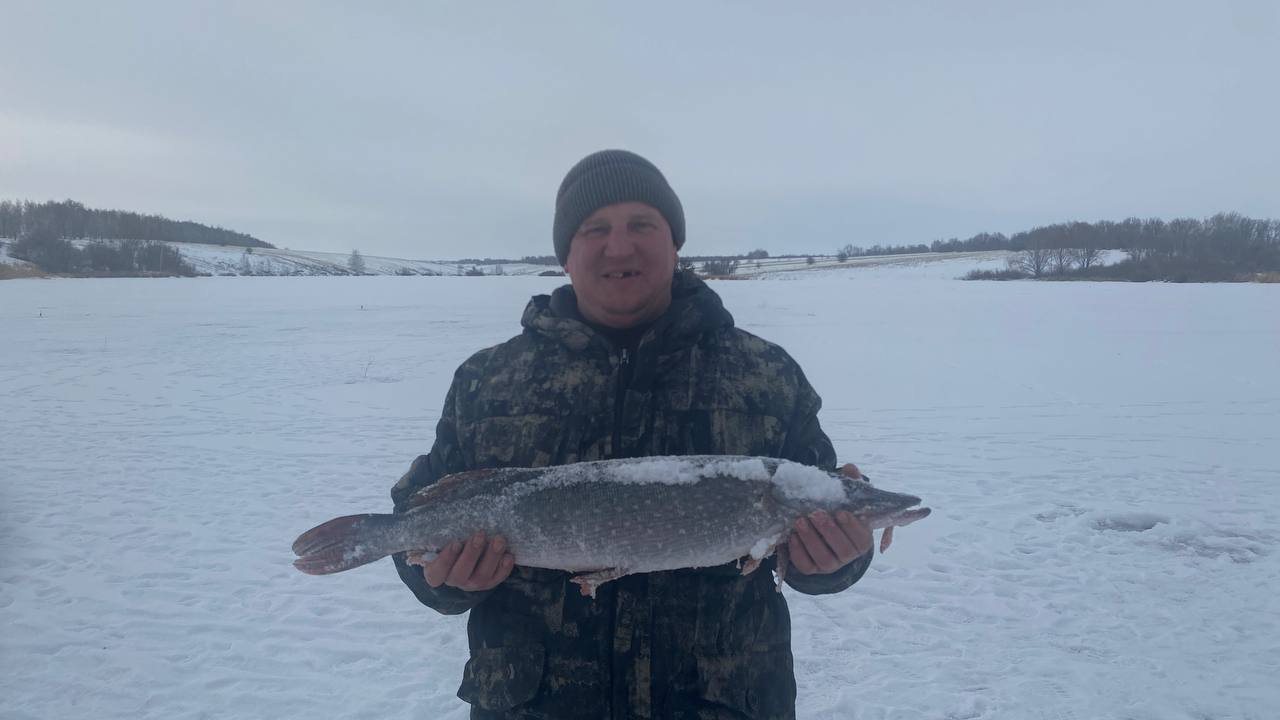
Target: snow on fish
(610,518)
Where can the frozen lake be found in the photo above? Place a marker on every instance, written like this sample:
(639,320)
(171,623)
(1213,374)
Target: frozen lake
(1103,461)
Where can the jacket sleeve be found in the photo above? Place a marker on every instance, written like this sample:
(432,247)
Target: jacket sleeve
(445,458)
(808,444)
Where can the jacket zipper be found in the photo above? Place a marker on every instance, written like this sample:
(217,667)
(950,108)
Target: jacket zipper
(619,417)
(619,401)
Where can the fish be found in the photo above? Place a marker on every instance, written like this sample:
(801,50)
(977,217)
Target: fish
(605,519)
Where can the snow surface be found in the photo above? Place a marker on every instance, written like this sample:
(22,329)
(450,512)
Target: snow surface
(802,482)
(7,259)
(1101,460)
(948,265)
(764,547)
(687,470)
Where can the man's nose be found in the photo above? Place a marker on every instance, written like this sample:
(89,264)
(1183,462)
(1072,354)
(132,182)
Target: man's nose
(619,244)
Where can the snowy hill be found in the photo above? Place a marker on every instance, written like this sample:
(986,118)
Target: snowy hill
(235,260)
(232,260)
(13,267)
(949,265)
(5,258)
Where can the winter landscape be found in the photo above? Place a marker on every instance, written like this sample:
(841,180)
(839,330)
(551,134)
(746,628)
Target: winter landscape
(1100,457)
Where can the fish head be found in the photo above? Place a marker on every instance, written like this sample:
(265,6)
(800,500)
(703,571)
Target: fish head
(880,508)
(804,489)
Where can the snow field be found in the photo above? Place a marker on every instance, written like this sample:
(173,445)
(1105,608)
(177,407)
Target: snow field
(1100,459)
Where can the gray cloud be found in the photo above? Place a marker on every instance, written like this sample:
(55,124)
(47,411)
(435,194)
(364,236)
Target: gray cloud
(443,131)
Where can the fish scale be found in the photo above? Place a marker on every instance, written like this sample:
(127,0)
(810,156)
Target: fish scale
(640,527)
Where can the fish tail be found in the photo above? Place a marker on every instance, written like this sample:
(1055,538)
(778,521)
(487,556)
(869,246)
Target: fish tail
(341,544)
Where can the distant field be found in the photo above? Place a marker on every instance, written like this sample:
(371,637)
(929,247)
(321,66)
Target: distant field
(229,260)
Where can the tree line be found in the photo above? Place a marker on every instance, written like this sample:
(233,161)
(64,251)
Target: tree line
(71,220)
(1225,247)
(852,251)
(43,248)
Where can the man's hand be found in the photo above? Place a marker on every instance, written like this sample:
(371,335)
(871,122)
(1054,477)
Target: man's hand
(476,565)
(822,544)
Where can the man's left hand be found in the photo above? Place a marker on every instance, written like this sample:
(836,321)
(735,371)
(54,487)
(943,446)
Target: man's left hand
(822,543)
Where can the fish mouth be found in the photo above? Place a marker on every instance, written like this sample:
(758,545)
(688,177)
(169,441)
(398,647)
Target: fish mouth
(901,518)
(893,510)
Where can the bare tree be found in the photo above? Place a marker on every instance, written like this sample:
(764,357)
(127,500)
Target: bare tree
(1061,259)
(1033,261)
(355,263)
(1086,257)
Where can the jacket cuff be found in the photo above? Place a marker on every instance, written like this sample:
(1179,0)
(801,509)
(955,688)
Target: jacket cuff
(444,599)
(831,582)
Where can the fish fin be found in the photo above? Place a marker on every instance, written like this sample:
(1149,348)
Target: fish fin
(339,544)
(780,571)
(468,483)
(588,582)
(421,558)
(443,486)
(751,563)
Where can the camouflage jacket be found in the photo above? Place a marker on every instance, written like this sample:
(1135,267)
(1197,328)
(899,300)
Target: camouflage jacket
(706,643)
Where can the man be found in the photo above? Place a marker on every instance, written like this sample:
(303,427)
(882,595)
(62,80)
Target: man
(631,359)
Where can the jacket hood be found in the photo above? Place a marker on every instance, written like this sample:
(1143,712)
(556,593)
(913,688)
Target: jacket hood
(695,310)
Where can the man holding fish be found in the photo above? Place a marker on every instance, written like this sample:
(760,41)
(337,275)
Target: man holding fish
(632,359)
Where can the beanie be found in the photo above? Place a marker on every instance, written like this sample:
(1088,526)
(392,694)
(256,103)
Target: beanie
(608,177)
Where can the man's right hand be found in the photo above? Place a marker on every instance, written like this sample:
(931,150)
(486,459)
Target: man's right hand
(476,565)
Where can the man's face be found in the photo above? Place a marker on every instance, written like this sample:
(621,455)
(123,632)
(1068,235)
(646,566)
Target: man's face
(621,262)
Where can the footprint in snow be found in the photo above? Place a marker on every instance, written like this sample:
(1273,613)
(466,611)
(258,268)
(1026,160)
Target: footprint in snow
(1060,511)
(1213,543)
(1129,522)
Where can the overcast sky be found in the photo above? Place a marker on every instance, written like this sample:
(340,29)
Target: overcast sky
(434,130)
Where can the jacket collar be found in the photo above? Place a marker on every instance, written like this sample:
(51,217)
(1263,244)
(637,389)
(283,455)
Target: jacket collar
(695,310)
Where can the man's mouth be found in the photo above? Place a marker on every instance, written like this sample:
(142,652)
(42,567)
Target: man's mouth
(621,274)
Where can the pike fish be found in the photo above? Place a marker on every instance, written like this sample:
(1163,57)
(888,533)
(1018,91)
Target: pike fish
(606,519)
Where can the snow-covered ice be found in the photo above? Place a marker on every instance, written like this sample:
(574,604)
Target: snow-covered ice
(1101,460)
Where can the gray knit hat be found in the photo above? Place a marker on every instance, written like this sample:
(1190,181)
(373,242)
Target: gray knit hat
(608,177)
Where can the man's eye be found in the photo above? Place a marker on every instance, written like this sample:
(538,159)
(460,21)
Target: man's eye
(596,231)
(644,225)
